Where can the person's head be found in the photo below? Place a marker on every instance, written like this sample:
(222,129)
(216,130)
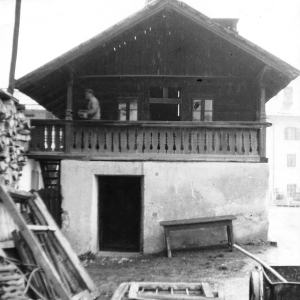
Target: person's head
(88,93)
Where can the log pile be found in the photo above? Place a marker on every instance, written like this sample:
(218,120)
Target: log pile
(14,140)
(12,283)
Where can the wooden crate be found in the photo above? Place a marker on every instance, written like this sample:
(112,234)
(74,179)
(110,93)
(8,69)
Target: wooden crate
(165,291)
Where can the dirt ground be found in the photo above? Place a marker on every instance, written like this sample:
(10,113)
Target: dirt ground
(223,270)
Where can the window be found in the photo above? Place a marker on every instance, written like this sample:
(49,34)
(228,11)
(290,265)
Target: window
(127,109)
(291,190)
(291,160)
(288,95)
(202,110)
(291,133)
(165,103)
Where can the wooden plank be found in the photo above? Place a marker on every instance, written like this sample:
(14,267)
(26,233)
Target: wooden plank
(198,220)
(66,246)
(40,283)
(34,245)
(121,290)
(42,228)
(7,244)
(84,295)
(207,290)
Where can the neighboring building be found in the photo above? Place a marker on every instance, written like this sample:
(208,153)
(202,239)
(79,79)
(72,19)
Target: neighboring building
(283,146)
(182,134)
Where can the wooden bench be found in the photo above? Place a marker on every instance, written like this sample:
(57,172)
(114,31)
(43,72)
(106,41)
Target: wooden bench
(196,224)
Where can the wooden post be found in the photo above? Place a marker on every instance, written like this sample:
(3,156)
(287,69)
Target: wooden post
(11,85)
(69,110)
(262,118)
(68,136)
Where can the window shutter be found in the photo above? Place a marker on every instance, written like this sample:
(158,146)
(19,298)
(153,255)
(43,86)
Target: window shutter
(297,133)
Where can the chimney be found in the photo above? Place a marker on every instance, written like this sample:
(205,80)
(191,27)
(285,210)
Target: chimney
(228,23)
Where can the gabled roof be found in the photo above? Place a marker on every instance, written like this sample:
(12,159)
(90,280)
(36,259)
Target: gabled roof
(285,71)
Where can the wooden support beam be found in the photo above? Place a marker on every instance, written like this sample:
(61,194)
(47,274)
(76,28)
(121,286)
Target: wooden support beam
(69,110)
(14,48)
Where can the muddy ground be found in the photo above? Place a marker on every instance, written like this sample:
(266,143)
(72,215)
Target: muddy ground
(223,270)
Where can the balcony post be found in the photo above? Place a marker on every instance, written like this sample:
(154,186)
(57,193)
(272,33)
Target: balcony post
(69,110)
(68,137)
(262,118)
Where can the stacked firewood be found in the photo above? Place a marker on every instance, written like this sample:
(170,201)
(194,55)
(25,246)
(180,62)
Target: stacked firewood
(12,283)
(14,139)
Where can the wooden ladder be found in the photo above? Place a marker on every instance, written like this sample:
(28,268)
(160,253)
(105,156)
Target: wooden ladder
(40,242)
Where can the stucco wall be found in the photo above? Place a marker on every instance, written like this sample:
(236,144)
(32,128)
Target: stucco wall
(171,191)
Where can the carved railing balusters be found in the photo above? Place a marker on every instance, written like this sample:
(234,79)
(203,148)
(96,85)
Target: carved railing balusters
(158,139)
(190,142)
(174,142)
(166,143)
(144,146)
(151,146)
(97,142)
(228,141)
(112,142)
(198,145)
(220,141)
(250,142)
(135,139)
(243,143)
(105,144)
(120,142)
(82,140)
(127,140)
(89,140)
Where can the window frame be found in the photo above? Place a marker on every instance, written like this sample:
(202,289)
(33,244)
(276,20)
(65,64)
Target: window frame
(127,101)
(203,110)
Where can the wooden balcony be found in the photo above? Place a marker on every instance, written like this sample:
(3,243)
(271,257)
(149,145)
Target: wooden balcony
(116,140)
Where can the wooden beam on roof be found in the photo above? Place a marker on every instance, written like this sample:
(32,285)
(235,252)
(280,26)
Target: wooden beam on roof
(164,76)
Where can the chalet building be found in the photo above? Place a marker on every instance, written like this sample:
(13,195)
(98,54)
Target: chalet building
(182,131)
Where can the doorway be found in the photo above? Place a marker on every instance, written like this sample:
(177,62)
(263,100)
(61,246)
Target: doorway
(120,203)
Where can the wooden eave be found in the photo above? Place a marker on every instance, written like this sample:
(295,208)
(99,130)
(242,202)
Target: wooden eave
(285,72)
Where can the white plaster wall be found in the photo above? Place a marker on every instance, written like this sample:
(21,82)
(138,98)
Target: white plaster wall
(171,191)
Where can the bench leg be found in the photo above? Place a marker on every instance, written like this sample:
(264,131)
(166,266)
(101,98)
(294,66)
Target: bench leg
(230,236)
(167,239)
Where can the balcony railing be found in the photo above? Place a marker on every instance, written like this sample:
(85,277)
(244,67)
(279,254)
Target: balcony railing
(148,140)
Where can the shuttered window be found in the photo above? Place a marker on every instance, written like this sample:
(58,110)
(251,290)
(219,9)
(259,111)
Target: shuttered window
(291,190)
(291,160)
(291,133)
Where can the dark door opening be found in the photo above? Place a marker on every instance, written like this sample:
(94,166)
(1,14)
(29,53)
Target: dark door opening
(164,112)
(120,213)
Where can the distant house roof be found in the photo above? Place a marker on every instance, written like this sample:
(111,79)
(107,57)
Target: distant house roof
(38,78)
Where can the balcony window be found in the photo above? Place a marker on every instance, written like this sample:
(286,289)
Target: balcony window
(202,110)
(127,109)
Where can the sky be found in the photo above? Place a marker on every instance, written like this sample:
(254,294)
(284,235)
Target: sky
(49,28)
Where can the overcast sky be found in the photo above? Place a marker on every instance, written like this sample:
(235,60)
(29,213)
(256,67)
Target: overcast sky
(49,28)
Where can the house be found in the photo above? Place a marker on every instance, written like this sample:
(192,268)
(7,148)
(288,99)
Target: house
(182,131)
(283,146)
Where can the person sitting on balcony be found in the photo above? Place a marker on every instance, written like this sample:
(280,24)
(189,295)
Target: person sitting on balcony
(93,108)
